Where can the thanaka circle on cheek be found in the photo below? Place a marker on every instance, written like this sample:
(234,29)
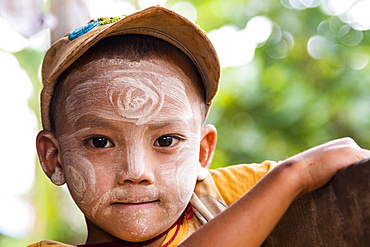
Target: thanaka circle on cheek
(185,179)
(80,175)
(78,184)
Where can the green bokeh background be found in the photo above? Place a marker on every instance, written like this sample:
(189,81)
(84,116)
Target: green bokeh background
(279,104)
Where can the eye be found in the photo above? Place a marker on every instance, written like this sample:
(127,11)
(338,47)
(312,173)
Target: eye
(167,141)
(99,142)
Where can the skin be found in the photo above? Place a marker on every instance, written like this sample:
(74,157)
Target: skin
(107,149)
(131,147)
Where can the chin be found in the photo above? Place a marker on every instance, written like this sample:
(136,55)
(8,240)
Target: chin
(138,230)
(137,236)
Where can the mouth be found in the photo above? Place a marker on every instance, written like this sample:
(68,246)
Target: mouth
(135,206)
(135,203)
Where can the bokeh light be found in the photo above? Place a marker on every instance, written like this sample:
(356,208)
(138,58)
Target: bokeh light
(358,61)
(110,8)
(336,7)
(186,9)
(300,4)
(358,15)
(353,12)
(147,3)
(17,168)
(236,47)
(11,40)
(317,46)
(17,216)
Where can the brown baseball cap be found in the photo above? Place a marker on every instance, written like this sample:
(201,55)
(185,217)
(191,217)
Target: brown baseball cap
(156,21)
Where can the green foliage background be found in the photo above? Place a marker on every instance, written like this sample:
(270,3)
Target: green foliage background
(270,108)
(274,108)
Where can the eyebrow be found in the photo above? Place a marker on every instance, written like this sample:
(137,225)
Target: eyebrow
(92,120)
(176,123)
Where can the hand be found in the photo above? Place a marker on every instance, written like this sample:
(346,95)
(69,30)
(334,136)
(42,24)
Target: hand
(316,166)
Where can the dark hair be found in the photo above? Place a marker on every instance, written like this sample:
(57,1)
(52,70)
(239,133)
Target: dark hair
(132,48)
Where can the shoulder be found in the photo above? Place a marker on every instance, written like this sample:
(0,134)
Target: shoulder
(234,181)
(238,173)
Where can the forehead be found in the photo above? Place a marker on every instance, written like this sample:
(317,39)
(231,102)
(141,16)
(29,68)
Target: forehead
(133,51)
(140,57)
(136,92)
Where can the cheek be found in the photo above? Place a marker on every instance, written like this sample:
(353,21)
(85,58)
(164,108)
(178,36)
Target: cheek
(186,178)
(180,176)
(80,176)
(186,173)
(177,178)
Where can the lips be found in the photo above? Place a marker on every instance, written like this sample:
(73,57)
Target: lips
(133,197)
(135,202)
(135,207)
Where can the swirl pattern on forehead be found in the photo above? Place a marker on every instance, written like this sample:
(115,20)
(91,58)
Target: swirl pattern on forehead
(133,94)
(138,101)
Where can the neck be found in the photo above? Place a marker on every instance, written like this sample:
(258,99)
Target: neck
(97,235)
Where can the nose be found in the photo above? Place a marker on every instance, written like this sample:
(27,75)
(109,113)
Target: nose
(136,168)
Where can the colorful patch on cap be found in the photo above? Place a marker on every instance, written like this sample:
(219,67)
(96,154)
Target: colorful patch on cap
(92,24)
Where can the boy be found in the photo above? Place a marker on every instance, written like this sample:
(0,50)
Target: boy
(123,108)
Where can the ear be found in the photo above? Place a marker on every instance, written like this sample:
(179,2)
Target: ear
(207,149)
(48,152)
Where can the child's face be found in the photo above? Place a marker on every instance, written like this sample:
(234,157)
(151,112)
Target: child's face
(129,141)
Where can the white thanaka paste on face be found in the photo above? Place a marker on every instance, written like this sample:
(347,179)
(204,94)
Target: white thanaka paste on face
(130,92)
(126,95)
(138,223)
(183,176)
(135,160)
(186,177)
(124,195)
(130,163)
(82,177)
(79,171)
(79,184)
(138,102)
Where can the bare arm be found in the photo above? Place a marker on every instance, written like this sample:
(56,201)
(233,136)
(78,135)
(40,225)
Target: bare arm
(250,220)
